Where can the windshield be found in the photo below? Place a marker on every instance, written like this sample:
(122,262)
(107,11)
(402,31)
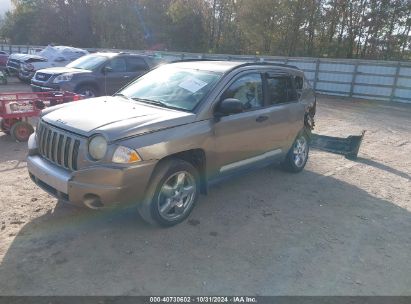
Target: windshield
(88,62)
(173,87)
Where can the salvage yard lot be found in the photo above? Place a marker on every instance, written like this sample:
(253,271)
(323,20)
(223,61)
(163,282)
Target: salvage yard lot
(339,227)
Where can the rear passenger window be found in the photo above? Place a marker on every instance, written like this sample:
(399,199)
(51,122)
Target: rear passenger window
(281,89)
(135,64)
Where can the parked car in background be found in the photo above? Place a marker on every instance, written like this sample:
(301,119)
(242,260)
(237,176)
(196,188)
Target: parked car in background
(94,75)
(15,60)
(4,56)
(25,65)
(160,141)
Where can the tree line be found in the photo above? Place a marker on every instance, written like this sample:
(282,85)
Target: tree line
(372,29)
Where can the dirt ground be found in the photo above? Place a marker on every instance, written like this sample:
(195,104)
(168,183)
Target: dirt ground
(340,227)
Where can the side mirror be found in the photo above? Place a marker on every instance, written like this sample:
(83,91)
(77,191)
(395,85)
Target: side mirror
(107,69)
(230,106)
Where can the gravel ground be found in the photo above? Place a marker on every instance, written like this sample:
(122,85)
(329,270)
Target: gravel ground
(340,227)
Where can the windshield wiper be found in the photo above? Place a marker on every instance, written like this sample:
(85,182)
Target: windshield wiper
(150,101)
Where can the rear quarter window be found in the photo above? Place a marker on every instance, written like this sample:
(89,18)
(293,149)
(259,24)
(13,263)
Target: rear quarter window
(299,82)
(306,84)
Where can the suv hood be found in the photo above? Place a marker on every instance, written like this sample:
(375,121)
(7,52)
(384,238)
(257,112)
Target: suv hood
(25,57)
(116,117)
(62,70)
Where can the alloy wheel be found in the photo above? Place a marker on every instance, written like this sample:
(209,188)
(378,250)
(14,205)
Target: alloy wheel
(176,195)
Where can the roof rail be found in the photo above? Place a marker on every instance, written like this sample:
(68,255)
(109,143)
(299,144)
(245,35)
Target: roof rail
(243,64)
(270,63)
(193,59)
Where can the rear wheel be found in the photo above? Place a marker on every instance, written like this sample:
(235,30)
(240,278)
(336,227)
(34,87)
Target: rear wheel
(172,193)
(298,155)
(21,131)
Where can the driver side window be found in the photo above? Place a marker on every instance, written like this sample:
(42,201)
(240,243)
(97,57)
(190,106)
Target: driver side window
(248,89)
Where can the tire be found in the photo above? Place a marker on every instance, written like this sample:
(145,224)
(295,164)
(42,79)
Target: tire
(88,91)
(21,131)
(168,200)
(297,156)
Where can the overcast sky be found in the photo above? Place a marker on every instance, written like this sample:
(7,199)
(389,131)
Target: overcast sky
(5,5)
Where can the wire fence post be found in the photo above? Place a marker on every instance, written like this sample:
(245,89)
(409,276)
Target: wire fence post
(394,85)
(317,68)
(354,78)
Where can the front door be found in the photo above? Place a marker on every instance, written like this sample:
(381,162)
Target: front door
(244,138)
(117,77)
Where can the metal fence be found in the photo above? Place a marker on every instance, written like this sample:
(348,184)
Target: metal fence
(369,79)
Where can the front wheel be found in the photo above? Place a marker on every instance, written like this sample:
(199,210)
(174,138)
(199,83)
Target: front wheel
(172,193)
(298,155)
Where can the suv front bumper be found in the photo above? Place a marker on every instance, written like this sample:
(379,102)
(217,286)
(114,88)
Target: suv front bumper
(94,187)
(38,88)
(26,75)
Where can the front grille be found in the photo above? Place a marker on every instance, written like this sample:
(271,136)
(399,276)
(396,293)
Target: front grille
(42,76)
(58,146)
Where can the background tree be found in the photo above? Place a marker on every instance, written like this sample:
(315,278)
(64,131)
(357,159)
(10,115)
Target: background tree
(373,29)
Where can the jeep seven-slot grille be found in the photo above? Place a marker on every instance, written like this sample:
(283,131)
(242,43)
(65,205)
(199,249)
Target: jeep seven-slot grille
(58,146)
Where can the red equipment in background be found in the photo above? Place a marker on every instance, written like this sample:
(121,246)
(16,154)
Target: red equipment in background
(16,108)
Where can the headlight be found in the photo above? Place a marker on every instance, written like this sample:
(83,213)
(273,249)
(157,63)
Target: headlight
(97,147)
(63,77)
(124,155)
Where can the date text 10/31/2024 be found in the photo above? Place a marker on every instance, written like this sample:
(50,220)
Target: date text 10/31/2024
(203,299)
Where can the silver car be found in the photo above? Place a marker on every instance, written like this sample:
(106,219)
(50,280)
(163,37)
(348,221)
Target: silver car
(164,138)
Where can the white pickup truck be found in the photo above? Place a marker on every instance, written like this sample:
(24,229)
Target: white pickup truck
(26,65)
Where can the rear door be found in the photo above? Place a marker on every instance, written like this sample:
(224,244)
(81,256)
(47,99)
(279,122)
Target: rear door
(285,111)
(116,78)
(136,66)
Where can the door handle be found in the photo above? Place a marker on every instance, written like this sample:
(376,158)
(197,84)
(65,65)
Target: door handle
(126,76)
(261,118)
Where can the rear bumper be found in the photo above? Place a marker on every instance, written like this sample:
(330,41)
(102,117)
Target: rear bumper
(108,186)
